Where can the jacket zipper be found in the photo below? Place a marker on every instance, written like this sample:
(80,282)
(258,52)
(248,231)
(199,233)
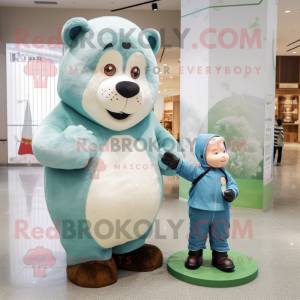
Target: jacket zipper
(216,191)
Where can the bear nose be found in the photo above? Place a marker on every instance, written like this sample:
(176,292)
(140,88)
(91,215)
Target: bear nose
(127,89)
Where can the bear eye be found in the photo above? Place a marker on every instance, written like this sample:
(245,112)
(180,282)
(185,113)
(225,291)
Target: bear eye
(135,72)
(110,70)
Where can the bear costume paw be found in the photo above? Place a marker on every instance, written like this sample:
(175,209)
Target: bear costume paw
(145,259)
(93,274)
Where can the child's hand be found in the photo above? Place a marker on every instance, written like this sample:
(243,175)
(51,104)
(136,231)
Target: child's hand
(229,195)
(170,160)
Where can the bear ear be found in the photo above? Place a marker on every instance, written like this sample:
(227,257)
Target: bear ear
(153,38)
(72,28)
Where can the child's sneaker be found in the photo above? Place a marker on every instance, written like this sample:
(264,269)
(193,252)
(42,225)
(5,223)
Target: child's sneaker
(278,164)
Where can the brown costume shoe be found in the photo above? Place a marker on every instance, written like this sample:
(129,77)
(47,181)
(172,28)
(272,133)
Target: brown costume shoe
(145,259)
(93,274)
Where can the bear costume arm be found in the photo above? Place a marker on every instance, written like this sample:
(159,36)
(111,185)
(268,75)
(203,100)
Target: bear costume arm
(55,144)
(166,142)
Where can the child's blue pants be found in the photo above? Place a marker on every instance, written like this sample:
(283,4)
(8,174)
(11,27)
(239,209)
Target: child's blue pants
(214,223)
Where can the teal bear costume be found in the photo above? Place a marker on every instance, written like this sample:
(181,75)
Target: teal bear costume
(102,148)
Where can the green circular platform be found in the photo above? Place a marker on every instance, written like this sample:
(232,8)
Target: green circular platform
(246,270)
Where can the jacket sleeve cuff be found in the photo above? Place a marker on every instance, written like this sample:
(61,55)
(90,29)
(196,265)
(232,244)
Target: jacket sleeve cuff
(235,193)
(178,168)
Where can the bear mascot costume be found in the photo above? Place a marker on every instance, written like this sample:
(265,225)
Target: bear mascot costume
(102,148)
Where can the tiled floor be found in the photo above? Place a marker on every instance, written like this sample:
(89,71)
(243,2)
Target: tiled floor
(275,244)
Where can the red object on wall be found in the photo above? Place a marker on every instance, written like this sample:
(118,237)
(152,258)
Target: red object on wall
(25,147)
(26,142)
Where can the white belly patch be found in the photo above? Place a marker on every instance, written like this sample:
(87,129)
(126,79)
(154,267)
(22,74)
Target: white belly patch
(127,191)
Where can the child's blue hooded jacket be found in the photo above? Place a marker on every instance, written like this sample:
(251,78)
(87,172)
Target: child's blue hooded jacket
(206,194)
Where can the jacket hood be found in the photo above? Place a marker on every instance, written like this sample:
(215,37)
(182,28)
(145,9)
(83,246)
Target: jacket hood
(200,148)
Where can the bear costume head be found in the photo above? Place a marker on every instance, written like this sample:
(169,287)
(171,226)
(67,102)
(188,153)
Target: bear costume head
(119,77)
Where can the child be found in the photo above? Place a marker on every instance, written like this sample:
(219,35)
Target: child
(278,141)
(212,190)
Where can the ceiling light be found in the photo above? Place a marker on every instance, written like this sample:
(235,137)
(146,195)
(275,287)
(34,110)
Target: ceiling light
(171,89)
(161,78)
(160,83)
(165,64)
(294,52)
(143,3)
(159,91)
(160,72)
(154,7)
(165,90)
(171,77)
(287,11)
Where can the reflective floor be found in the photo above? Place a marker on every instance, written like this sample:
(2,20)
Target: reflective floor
(275,244)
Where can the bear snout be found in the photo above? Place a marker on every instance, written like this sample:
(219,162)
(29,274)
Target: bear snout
(127,89)
(121,96)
